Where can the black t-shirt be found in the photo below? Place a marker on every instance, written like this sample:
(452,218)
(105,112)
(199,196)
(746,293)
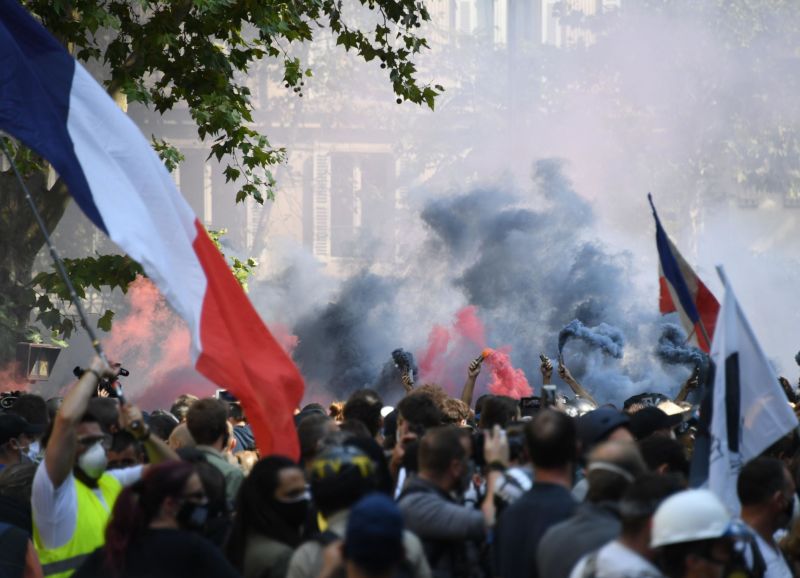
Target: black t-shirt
(164,553)
(522,525)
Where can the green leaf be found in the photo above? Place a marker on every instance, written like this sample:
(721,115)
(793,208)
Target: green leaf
(104,322)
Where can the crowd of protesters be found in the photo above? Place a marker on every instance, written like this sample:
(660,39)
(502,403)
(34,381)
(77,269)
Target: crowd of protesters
(437,487)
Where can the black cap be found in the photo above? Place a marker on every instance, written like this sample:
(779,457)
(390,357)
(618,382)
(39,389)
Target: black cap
(12,425)
(595,426)
(651,419)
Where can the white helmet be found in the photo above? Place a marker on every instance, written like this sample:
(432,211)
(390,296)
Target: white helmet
(689,516)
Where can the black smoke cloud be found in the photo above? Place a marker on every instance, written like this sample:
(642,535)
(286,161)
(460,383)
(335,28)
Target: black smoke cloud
(525,257)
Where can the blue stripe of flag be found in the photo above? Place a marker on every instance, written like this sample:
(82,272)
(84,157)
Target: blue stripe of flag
(35,80)
(672,272)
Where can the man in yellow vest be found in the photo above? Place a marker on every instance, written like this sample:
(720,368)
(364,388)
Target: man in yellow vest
(72,494)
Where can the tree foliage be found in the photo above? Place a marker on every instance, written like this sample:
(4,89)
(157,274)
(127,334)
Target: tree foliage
(193,55)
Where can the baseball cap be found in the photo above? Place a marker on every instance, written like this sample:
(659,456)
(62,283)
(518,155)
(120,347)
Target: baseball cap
(12,425)
(374,537)
(596,425)
(651,419)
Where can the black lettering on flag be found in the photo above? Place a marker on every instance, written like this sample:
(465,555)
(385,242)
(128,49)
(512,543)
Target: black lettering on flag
(732,401)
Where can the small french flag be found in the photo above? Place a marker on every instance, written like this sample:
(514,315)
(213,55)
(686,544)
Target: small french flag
(682,290)
(52,104)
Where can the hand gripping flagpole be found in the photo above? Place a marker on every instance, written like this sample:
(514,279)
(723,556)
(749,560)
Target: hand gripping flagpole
(98,347)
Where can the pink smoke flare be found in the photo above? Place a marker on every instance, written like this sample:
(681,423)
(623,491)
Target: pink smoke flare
(438,341)
(505,378)
(469,326)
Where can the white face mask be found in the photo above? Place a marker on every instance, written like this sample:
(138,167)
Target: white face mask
(93,461)
(33,451)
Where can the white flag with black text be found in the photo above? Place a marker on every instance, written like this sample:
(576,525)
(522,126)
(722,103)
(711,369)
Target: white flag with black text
(749,410)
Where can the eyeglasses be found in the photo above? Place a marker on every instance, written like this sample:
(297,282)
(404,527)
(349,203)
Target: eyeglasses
(89,441)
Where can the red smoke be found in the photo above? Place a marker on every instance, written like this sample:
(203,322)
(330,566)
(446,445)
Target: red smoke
(284,337)
(153,343)
(505,379)
(10,381)
(450,351)
(469,326)
(438,340)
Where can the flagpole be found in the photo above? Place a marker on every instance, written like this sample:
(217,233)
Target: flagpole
(98,347)
(699,317)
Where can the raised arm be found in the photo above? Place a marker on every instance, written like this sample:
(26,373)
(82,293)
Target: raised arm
(473,372)
(689,385)
(576,387)
(59,456)
(157,450)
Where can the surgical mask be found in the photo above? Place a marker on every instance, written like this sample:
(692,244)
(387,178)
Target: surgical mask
(33,451)
(192,516)
(93,461)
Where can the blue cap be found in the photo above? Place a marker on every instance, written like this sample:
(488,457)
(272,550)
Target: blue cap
(374,538)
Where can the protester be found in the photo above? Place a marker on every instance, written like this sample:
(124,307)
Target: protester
(242,432)
(162,424)
(72,493)
(594,427)
(691,535)
(106,412)
(653,421)
(33,409)
(373,543)
(450,531)
(125,451)
(181,437)
(365,406)
(612,468)
(630,556)
(207,420)
(151,531)
(311,430)
(270,513)
(551,441)
(415,414)
(498,410)
(218,523)
(15,496)
(766,491)
(518,477)
(180,408)
(340,477)
(16,437)
(17,554)
(664,455)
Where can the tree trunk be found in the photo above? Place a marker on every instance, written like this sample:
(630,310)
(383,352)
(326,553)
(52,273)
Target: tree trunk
(20,242)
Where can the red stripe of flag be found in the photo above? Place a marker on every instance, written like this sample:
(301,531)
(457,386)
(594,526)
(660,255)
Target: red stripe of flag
(240,353)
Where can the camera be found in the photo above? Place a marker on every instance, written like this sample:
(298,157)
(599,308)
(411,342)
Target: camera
(111,387)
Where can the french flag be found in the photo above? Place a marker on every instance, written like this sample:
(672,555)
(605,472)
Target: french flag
(682,290)
(50,102)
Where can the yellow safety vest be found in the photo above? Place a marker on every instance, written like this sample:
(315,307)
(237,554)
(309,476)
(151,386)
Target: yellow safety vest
(90,529)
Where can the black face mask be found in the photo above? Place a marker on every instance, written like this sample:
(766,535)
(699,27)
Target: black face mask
(293,513)
(192,516)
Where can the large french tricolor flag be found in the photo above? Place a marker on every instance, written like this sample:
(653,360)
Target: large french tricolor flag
(50,102)
(682,290)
